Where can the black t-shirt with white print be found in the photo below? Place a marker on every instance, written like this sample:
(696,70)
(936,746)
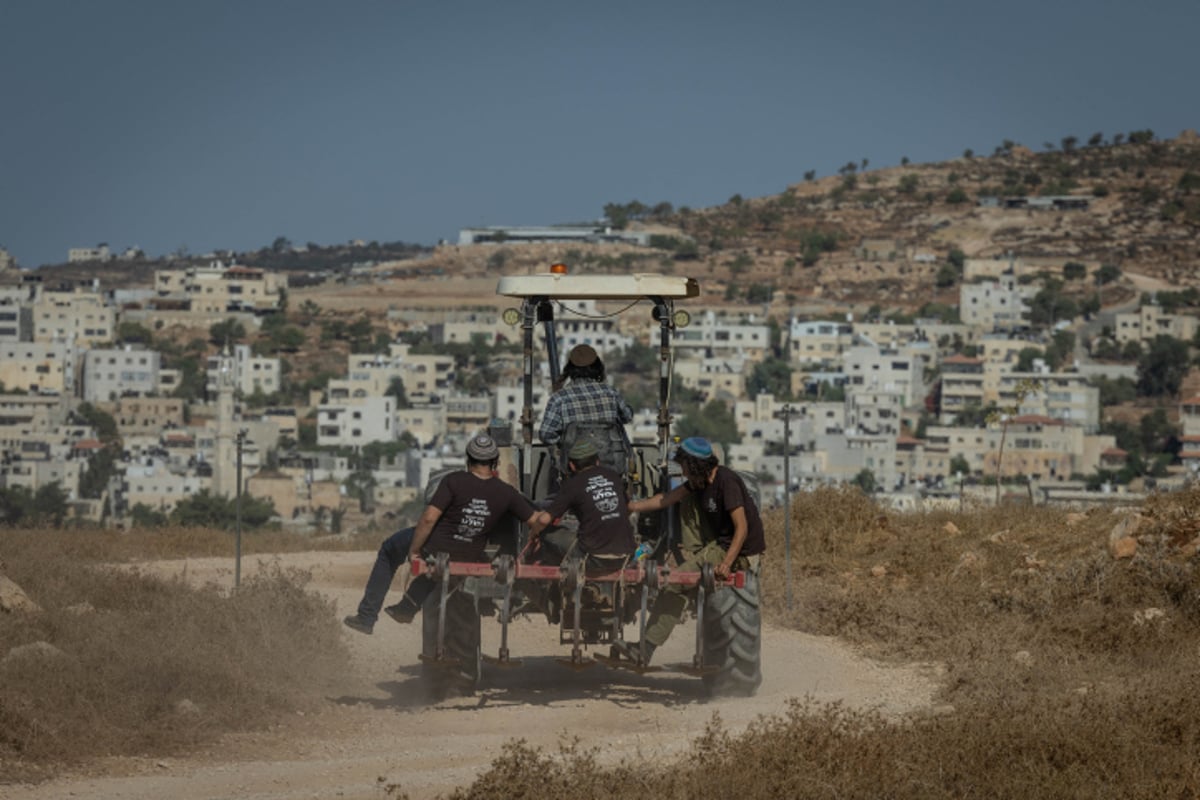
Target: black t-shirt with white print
(471,506)
(597,499)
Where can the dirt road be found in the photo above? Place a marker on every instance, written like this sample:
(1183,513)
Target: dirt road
(379,728)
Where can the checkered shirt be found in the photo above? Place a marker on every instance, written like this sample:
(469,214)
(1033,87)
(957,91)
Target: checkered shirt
(582,401)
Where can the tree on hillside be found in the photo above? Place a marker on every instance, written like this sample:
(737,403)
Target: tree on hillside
(713,421)
(1074,271)
(1107,273)
(1162,367)
(771,376)
(227,332)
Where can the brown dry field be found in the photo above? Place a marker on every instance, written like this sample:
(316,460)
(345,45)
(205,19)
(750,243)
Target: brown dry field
(378,727)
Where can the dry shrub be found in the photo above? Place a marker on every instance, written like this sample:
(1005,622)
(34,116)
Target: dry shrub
(1067,673)
(145,664)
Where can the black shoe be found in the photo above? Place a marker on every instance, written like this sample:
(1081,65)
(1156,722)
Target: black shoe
(403,612)
(359,624)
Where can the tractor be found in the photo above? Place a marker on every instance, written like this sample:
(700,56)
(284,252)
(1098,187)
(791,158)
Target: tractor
(590,608)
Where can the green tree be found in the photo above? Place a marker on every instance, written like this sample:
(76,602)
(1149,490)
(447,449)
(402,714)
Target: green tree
(956,196)
(1107,274)
(713,421)
(102,422)
(959,465)
(143,516)
(101,467)
(1074,271)
(909,184)
(226,332)
(771,376)
(1026,357)
(207,510)
(396,389)
(865,480)
(134,333)
(1162,367)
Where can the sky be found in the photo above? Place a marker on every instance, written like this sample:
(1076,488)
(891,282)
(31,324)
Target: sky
(169,124)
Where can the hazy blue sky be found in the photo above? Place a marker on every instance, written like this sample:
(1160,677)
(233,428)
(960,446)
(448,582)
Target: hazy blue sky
(212,124)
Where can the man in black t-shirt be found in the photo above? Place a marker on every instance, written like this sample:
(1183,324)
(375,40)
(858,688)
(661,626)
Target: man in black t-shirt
(464,509)
(727,509)
(595,495)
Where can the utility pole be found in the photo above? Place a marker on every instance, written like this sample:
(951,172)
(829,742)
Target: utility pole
(237,567)
(786,413)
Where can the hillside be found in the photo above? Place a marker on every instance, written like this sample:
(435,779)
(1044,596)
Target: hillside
(881,236)
(861,237)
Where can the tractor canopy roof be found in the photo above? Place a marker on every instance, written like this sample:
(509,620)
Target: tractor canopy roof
(597,287)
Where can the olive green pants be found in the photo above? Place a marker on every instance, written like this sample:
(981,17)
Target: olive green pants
(672,600)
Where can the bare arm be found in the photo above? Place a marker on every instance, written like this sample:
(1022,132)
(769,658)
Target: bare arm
(660,501)
(741,529)
(429,518)
(537,523)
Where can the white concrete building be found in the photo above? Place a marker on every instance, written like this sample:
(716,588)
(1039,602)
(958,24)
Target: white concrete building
(114,373)
(250,373)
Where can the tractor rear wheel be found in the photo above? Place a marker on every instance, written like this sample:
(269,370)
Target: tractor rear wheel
(733,639)
(461,644)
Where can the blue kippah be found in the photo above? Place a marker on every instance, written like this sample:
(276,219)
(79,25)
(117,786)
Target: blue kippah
(697,446)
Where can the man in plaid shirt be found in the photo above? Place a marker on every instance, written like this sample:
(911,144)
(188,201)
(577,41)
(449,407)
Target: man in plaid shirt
(586,398)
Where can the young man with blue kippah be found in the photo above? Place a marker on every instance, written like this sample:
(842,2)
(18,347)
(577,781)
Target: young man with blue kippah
(727,509)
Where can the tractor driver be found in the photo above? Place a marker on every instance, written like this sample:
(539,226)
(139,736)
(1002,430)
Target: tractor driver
(581,395)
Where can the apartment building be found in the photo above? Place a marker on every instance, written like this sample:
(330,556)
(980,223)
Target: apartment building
(357,422)
(718,377)
(16,320)
(579,322)
(74,314)
(1066,396)
(38,367)
(1150,321)
(110,374)
(712,335)
(148,415)
(218,288)
(997,304)
(897,371)
(251,373)
(962,386)
(820,342)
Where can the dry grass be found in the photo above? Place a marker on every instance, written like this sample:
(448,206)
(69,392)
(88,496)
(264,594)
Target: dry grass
(1058,683)
(143,664)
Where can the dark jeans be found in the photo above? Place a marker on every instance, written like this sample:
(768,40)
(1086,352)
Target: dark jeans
(392,554)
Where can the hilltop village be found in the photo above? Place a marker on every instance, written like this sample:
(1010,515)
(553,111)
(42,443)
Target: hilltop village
(105,418)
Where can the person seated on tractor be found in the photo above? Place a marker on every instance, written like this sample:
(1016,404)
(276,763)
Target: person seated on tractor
(726,508)
(581,395)
(595,495)
(463,511)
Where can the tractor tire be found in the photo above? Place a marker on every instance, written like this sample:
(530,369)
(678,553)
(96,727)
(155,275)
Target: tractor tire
(733,640)
(461,642)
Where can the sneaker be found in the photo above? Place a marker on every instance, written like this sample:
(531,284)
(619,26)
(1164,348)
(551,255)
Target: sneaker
(359,624)
(403,612)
